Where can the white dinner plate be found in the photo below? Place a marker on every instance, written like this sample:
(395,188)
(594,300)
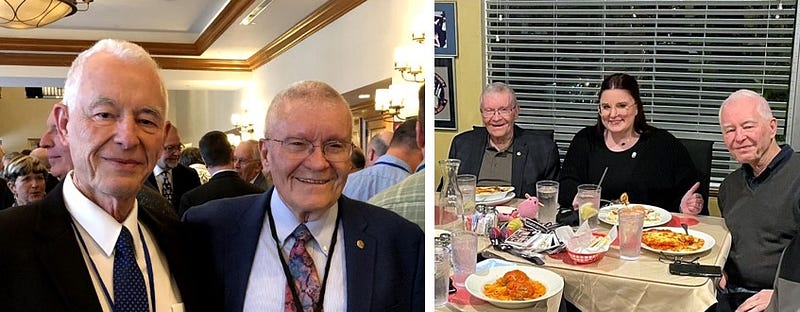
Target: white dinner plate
(707,244)
(505,209)
(552,282)
(500,201)
(497,192)
(657,217)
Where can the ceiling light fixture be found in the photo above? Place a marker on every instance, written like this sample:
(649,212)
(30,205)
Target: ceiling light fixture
(248,19)
(24,14)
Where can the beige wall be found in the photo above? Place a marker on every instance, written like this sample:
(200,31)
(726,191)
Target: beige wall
(21,118)
(468,68)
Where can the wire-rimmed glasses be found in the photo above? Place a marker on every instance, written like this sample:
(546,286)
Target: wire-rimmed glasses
(296,148)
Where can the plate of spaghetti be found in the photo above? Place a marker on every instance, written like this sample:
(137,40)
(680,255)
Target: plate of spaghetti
(514,287)
(674,241)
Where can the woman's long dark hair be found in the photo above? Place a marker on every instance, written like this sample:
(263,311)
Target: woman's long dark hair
(628,83)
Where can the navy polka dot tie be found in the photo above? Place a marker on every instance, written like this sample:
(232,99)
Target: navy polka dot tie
(130,293)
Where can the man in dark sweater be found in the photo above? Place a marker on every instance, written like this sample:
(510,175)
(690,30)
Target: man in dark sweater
(760,201)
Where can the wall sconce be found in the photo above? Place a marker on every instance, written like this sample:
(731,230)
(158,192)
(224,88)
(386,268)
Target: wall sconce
(409,60)
(243,129)
(390,101)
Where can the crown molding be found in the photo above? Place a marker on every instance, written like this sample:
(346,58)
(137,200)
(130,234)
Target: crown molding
(68,49)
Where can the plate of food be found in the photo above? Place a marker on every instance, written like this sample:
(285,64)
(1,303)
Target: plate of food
(653,216)
(674,241)
(515,286)
(492,193)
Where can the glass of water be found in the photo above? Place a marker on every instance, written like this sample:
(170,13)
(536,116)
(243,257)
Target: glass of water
(467,185)
(442,275)
(547,193)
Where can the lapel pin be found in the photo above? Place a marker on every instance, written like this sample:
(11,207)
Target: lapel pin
(633,155)
(519,154)
(360,244)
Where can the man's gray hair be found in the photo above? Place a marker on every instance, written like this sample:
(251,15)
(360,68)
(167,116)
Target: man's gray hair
(499,87)
(122,50)
(305,90)
(763,105)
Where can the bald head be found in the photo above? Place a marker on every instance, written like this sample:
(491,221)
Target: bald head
(41,154)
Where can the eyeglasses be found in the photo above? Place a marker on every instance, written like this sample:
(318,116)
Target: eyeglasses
(334,151)
(243,161)
(173,148)
(668,259)
(505,112)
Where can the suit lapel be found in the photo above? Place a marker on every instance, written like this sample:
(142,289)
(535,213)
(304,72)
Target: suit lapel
(241,249)
(518,161)
(359,257)
(61,256)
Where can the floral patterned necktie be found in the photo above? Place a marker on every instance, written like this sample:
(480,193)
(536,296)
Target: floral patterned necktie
(306,280)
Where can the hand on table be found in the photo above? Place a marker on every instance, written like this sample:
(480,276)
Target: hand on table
(692,202)
(757,302)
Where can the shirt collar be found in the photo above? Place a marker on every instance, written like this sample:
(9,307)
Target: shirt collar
(286,222)
(100,226)
(222,170)
(158,170)
(781,158)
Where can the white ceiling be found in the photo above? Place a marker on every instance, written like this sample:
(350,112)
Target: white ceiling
(174,21)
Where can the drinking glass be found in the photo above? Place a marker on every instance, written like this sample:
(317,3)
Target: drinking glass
(442,275)
(547,193)
(465,255)
(631,222)
(589,204)
(466,183)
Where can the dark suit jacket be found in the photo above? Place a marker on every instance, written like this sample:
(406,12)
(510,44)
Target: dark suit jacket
(387,275)
(184,179)
(222,185)
(262,182)
(535,156)
(6,196)
(42,268)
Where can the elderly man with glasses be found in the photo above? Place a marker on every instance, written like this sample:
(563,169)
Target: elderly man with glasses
(170,177)
(502,153)
(336,253)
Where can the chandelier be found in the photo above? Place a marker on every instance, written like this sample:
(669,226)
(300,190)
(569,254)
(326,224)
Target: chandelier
(22,14)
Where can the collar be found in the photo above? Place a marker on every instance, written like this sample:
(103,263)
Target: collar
(223,170)
(781,158)
(158,170)
(286,222)
(490,146)
(391,160)
(420,167)
(100,226)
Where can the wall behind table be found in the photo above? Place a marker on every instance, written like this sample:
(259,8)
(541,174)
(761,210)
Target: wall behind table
(468,67)
(21,118)
(196,112)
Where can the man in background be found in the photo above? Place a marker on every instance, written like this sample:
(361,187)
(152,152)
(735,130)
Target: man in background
(361,257)
(41,154)
(407,198)
(247,162)
(377,146)
(400,160)
(170,177)
(760,201)
(225,182)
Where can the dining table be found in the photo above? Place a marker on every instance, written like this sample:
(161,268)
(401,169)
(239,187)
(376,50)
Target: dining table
(614,284)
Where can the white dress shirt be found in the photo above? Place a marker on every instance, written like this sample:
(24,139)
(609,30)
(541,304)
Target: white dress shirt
(99,231)
(160,179)
(266,288)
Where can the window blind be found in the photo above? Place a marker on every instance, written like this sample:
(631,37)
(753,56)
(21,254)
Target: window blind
(688,56)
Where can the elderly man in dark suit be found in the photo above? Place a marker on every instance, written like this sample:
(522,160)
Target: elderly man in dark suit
(336,253)
(247,162)
(171,178)
(225,182)
(502,153)
(77,249)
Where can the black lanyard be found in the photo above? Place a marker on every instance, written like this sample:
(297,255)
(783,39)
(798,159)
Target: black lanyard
(392,165)
(289,278)
(103,284)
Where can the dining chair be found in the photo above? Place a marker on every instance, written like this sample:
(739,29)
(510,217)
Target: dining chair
(701,153)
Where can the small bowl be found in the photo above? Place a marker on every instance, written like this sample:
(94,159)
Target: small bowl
(586,258)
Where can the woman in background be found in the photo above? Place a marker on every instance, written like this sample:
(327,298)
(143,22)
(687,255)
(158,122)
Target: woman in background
(26,179)
(190,157)
(648,163)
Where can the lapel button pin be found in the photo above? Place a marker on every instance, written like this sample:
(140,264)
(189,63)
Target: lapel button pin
(519,154)
(360,244)
(633,155)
